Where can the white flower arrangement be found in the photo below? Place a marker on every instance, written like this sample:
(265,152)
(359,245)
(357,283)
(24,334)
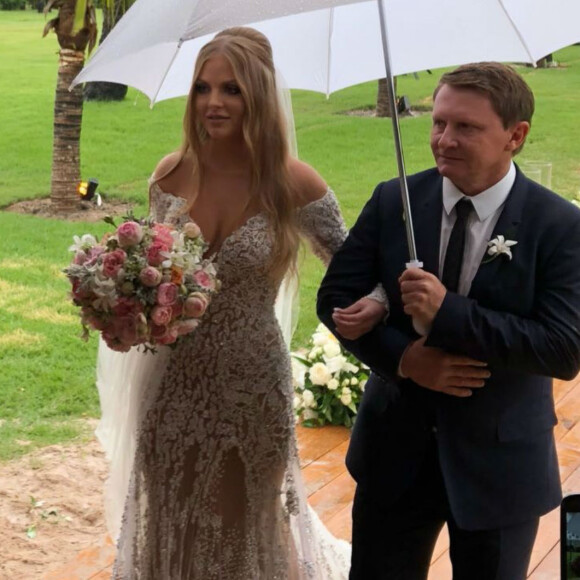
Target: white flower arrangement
(328,382)
(498,246)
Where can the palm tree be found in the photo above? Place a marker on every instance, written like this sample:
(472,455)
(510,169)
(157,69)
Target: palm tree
(383,109)
(76,29)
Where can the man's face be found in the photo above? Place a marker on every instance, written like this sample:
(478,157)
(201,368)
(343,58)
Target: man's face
(469,142)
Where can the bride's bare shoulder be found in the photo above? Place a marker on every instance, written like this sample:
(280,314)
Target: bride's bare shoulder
(173,174)
(308,183)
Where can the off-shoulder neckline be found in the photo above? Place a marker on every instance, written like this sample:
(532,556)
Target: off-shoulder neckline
(231,235)
(328,193)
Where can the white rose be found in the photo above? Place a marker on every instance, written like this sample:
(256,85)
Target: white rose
(308,399)
(363,384)
(319,374)
(346,382)
(350,368)
(191,230)
(354,381)
(331,349)
(297,402)
(319,339)
(298,373)
(333,384)
(346,397)
(309,414)
(336,363)
(315,352)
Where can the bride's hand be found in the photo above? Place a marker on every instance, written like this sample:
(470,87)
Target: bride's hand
(360,317)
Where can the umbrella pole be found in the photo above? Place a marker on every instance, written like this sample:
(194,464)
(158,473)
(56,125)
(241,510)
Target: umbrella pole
(414,262)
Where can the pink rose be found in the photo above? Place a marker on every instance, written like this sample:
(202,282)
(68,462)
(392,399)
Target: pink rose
(177,309)
(126,330)
(113,262)
(161,315)
(204,280)
(80,258)
(127,307)
(93,255)
(169,337)
(150,276)
(154,253)
(167,294)
(157,331)
(195,305)
(186,326)
(129,234)
(114,343)
(163,235)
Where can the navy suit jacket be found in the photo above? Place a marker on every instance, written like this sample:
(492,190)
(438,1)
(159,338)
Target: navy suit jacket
(522,317)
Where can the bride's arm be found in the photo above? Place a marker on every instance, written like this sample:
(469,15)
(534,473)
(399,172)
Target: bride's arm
(320,221)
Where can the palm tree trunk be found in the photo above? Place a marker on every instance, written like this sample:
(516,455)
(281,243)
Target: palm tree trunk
(68,114)
(383,109)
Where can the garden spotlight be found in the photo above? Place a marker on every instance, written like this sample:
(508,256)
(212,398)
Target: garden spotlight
(87,190)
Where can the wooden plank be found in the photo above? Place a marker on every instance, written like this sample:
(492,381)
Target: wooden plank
(549,568)
(323,470)
(442,545)
(334,497)
(547,538)
(568,413)
(314,442)
(562,388)
(441,569)
(340,524)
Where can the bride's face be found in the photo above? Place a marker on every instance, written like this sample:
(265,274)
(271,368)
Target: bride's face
(218,100)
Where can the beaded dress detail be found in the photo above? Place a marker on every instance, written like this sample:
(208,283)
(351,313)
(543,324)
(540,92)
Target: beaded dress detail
(215,490)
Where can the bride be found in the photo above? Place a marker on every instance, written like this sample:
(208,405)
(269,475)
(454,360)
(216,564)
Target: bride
(214,489)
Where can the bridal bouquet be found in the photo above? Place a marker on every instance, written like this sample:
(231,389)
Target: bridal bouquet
(146,283)
(328,382)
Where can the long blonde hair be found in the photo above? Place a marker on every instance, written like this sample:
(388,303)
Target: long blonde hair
(264,131)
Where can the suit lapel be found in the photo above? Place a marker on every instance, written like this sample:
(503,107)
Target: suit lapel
(427,225)
(507,226)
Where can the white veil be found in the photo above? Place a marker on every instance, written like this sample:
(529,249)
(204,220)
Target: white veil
(287,304)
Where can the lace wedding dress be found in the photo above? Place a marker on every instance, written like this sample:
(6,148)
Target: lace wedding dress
(215,489)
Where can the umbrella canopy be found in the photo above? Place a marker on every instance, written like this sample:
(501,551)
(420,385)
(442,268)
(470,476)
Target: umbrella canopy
(327,45)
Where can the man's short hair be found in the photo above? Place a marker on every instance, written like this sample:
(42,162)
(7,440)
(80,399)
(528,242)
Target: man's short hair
(510,96)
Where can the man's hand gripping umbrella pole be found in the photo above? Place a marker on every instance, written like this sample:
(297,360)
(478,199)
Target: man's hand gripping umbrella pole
(413,262)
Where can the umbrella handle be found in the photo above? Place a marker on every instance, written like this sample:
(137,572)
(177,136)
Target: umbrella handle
(420,328)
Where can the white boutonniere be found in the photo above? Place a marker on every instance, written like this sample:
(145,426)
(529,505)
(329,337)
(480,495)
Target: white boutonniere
(498,246)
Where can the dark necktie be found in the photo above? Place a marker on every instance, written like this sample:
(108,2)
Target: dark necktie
(454,254)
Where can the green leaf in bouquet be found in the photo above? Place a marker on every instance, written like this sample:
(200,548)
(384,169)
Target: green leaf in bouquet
(327,413)
(109,220)
(303,360)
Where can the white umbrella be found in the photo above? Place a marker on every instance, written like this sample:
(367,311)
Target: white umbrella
(326,45)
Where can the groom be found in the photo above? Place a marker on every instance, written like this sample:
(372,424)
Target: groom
(456,426)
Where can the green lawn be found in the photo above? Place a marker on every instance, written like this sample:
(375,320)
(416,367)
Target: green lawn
(47,372)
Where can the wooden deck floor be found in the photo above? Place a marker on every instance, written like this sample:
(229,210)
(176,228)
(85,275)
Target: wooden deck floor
(330,490)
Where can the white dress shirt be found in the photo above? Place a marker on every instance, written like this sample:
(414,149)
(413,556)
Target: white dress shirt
(487,208)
